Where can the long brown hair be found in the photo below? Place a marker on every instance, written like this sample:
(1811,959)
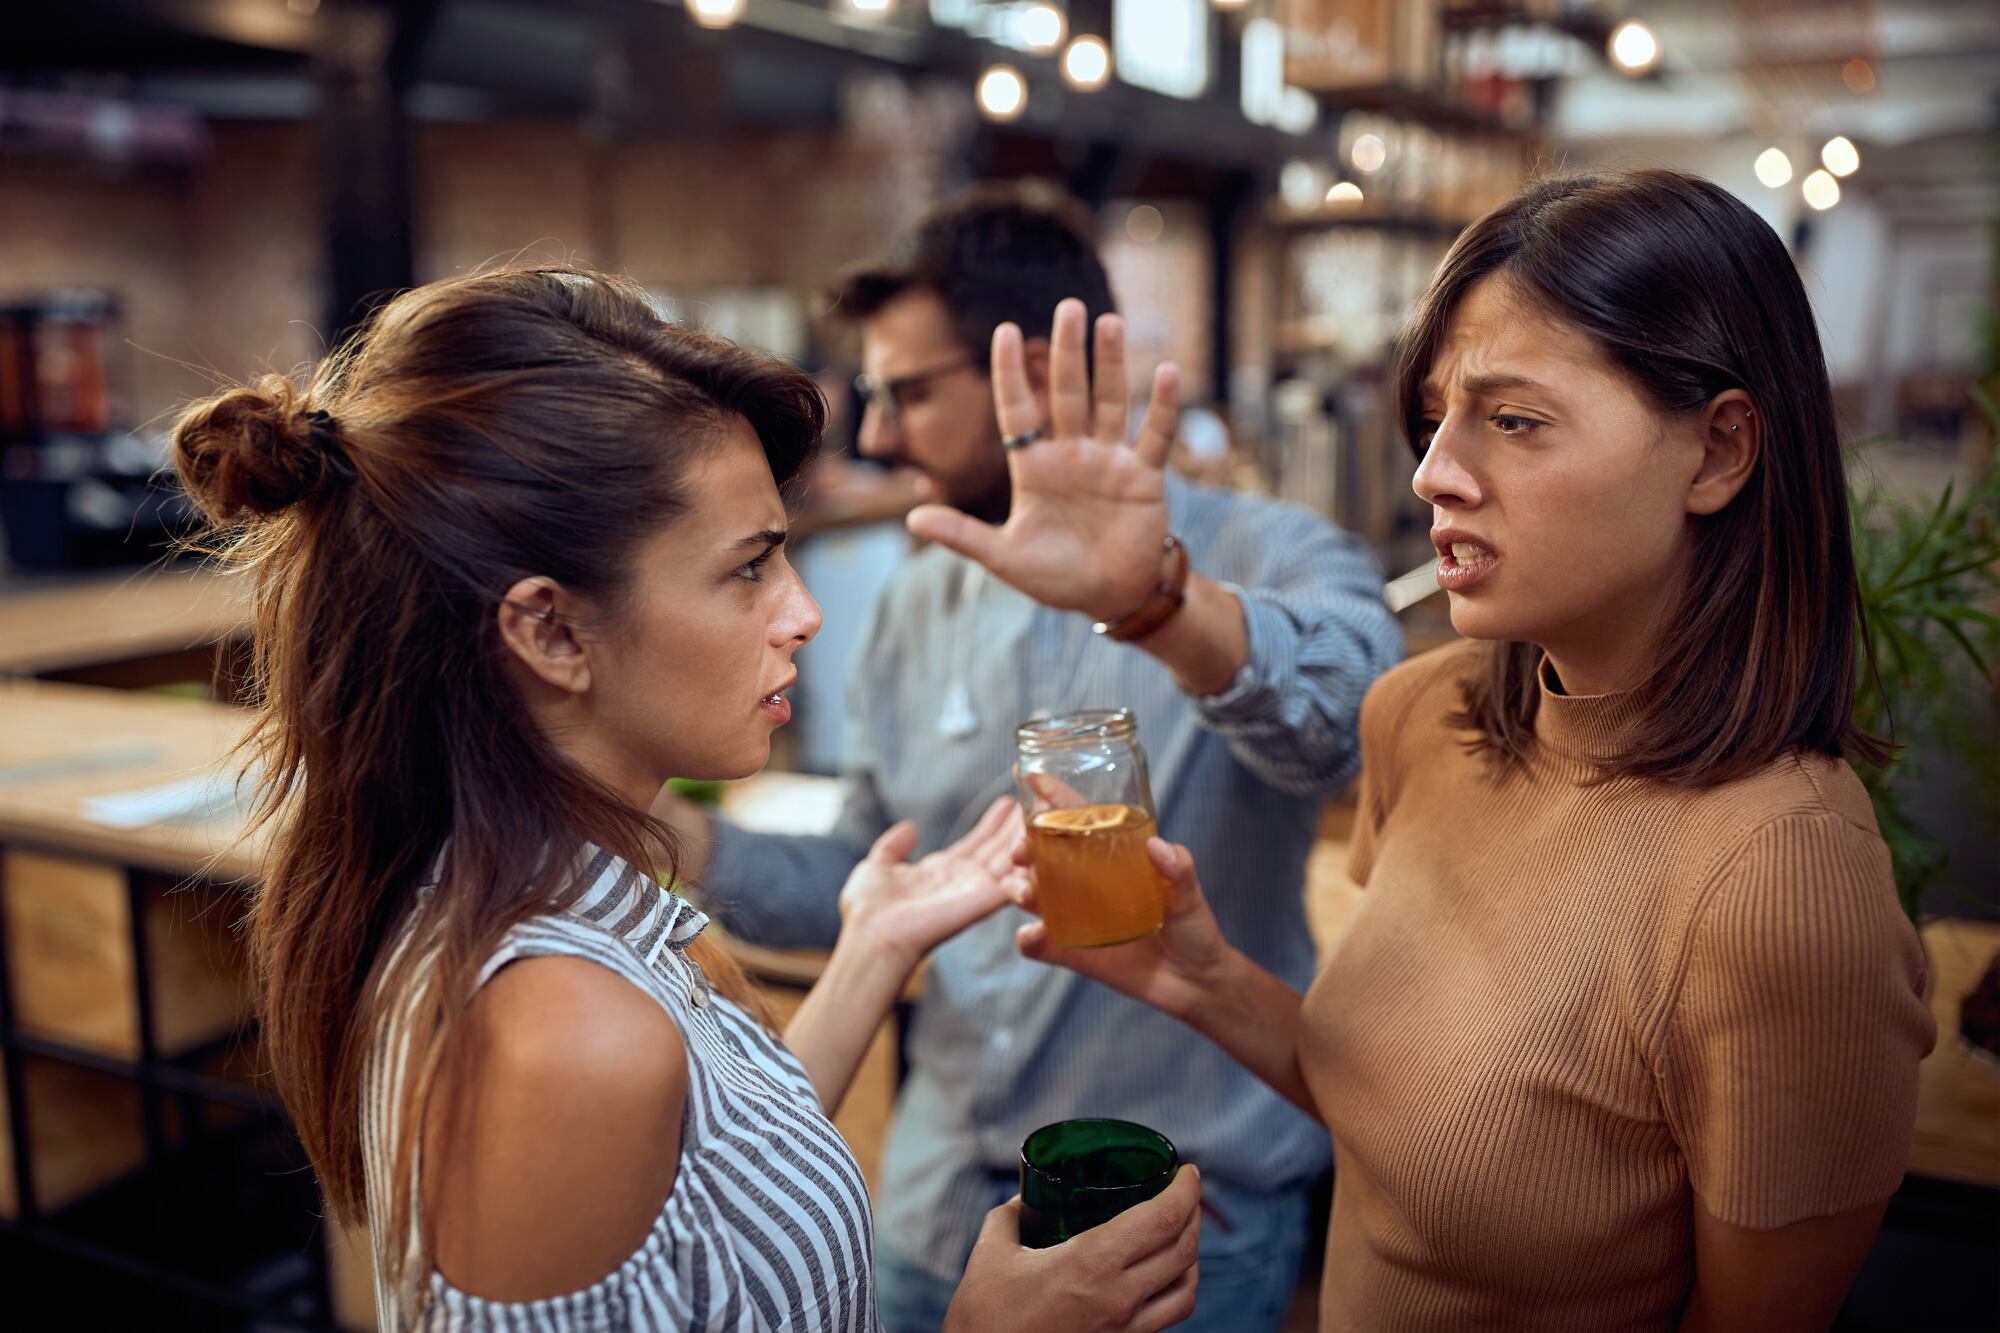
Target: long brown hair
(1692,294)
(524,421)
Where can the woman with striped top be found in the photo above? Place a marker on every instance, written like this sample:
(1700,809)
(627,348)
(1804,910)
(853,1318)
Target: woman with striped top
(518,556)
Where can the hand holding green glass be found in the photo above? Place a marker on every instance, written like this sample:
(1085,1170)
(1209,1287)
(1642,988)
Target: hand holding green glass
(1076,1174)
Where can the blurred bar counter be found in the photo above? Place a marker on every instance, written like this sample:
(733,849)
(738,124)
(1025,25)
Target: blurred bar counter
(126,629)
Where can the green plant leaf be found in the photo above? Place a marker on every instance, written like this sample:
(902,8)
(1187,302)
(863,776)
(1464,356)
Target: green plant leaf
(1951,628)
(1928,574)
(1986,405)
(1959,612)
(1983,561)
(1919,542)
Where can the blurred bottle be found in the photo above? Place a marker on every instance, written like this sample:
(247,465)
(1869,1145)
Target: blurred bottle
(18,414)
(72,381)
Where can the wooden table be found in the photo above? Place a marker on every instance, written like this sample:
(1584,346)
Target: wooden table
(107,622)
(1958,1096)
(62,744)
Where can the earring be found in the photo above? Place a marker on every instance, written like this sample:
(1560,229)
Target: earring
(1736,428)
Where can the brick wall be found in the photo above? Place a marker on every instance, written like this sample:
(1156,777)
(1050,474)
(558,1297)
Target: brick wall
(222,270)
(60,227)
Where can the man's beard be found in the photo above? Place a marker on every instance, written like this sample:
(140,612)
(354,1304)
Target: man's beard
(993,504)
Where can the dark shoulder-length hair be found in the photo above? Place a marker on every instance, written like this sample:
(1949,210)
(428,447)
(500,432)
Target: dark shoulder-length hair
(1692,294)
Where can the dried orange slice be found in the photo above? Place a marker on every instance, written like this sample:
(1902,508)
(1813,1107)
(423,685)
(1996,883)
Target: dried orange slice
(1083,818)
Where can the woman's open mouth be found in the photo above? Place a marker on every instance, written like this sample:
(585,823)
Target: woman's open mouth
(1463,560)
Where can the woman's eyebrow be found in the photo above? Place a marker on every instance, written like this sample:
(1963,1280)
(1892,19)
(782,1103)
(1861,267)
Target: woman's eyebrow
(768,537)
(1482,384)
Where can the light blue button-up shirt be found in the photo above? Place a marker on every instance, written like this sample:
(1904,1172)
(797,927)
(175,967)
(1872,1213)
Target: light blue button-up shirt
(953,661)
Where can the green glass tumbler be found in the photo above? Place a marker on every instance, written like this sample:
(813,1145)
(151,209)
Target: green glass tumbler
(1078,1173)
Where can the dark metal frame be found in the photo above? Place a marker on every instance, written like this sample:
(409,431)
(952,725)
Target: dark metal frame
(157,1078)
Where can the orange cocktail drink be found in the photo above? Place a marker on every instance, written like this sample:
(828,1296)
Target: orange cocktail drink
(1094,883)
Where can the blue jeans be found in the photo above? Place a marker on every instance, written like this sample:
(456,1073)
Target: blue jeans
(1248,1272)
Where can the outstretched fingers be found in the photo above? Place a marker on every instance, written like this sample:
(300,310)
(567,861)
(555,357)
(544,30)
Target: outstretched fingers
(1163,414)
(1110,390)
(895,844)
(1013,399)
(1069,372)
(991,841)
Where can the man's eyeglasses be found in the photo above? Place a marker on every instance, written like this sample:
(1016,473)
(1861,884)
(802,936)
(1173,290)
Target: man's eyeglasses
(888,394)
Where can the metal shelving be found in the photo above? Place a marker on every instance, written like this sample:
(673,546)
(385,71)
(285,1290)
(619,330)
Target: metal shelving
(304,1301)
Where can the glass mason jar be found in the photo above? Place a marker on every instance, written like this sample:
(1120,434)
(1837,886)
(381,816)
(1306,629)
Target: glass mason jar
(1089,811)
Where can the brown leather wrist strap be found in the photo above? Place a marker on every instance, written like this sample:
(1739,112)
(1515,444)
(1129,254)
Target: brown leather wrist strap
(1164,604)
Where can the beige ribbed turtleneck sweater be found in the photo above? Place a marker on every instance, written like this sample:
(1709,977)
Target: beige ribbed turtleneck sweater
(1565,1010)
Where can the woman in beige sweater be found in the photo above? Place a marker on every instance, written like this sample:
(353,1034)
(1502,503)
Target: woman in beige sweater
(1626,1033)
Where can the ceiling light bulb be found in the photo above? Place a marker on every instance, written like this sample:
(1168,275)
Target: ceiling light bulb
(1840,156)
(1040,28)
(1773,167)
(1634,48)
(1344,195)
(715,13)
(1822,191)
(1087,63)
(1003,93)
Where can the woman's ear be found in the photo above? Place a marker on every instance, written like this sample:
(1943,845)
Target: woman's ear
(1732,432)
(535,625)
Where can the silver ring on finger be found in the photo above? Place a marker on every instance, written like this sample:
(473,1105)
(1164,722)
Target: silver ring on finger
(1021,441)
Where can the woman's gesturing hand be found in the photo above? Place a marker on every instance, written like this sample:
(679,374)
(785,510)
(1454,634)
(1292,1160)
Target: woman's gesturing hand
(893,912)
(907,908)
(1133,1274)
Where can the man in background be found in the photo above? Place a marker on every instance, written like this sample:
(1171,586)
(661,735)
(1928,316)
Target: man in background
(1248,698)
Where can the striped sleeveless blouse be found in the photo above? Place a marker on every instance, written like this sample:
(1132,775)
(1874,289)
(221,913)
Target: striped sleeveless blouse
(767,1226)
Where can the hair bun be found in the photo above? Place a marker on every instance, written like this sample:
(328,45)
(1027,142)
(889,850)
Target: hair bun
(255,450)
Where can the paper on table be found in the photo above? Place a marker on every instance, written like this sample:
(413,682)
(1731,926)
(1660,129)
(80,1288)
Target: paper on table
(57,767)
(198,798)
(776,802)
